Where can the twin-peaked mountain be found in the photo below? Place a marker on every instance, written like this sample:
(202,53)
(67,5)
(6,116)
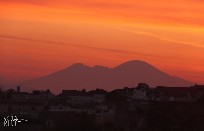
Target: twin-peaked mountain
(79,76)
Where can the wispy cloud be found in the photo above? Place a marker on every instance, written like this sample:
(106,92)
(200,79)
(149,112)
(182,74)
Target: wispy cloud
(163,38)
(76,45)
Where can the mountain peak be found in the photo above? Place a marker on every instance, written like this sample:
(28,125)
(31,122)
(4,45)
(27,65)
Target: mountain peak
(77,65)
(130,73)
(133,63)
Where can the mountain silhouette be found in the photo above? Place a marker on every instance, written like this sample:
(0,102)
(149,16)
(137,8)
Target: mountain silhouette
(79,76)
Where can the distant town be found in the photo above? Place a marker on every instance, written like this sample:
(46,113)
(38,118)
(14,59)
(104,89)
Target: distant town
(138,108)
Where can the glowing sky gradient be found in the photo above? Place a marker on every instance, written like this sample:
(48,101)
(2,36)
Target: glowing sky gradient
(38,37)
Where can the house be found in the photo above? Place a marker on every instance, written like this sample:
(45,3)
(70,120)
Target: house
(80,99)
(67,93)
(20,96)
(40,95)
(120,94)
(26,108)
(140,92)
(99,95)
(180,94)
(99,98)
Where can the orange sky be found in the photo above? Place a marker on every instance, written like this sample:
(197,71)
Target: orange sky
(38,37)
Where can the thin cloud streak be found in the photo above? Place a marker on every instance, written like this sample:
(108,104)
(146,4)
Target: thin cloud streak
(75,45)
(163,38)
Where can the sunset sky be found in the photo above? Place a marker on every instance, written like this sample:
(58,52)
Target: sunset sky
(38,37)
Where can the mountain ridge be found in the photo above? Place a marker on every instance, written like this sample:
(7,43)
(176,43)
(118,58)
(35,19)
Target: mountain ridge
(80,76)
